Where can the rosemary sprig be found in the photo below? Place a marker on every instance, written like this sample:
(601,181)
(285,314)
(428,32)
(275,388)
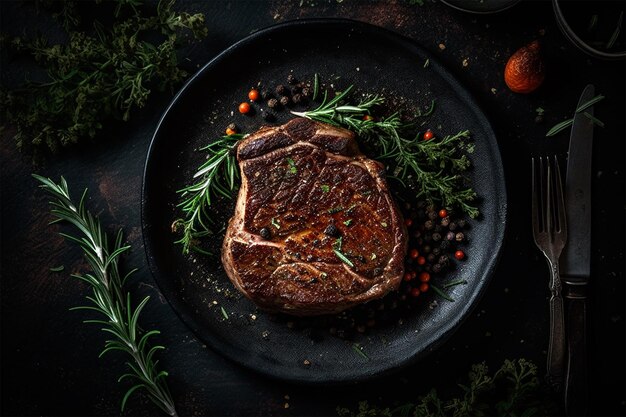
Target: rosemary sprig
(432,168)
(567,123)
(120,319)
(218,176)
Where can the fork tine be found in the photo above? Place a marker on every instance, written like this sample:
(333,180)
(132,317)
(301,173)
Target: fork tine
(544,179)
(560,202)
(534,201)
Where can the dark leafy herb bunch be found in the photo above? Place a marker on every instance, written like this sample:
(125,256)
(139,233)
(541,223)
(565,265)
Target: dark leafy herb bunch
(106,68)
(513,390)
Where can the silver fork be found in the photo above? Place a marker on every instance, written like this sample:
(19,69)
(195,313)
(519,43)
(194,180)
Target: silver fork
(550,234)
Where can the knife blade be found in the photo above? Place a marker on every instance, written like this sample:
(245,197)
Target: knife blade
(575,261)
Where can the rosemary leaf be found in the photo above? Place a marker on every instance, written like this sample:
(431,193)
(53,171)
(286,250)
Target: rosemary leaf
(440,293)
(589,103)
(559,127)
(594,119)
(616,32)
(57,268)
(343,258)
(224,313)
(359,350)
(119,319)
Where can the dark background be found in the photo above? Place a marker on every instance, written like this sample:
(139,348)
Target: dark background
(49,360)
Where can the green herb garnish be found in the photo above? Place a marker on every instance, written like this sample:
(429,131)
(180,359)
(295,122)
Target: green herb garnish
(440,293)
(96,76)
(275,223)
(513,390)
(433,168)
(325,188)
(343,258)
(567,123)
(218,176)
(120,320)
(57,268)
(292,166)
(454,283)
(224,313)
(347,222)
(359,350)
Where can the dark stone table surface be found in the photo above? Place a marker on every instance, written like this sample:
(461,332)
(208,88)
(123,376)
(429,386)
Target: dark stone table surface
(49,360)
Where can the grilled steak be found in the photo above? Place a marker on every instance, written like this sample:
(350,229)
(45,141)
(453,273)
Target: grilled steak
(315,230)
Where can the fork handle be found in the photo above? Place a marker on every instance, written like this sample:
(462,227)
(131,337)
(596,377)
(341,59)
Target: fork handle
(576,375)
(556,345)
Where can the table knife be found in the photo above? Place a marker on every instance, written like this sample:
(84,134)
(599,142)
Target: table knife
(575,260)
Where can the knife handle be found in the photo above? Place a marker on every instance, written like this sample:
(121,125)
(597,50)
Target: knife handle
(576,374)
(556,345)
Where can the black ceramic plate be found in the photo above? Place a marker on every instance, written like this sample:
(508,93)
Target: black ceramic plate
(342,52)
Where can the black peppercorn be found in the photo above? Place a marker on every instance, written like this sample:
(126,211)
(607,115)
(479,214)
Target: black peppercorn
(266,94)
(436,237)
(452,226)
(232,126)
(332,230)
(272,103)
(430,258)
(461,223)
(428,224)
(284,100)
(436,251)
(297,98)
(281,90)
(269,116)
(443,260)
(291,79)
(265,233)
(459,237)
(306,91)
(445,244)
(445,221)
(432,215)
(436,268)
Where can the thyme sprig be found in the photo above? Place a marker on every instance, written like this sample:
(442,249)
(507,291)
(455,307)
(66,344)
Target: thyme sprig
(97,75)
(513,390)
(120,319)
(218,176)
(432,168)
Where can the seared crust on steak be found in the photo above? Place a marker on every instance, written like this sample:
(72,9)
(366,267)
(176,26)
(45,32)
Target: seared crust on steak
(308,197)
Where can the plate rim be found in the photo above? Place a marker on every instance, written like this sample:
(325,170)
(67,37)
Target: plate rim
(280,372)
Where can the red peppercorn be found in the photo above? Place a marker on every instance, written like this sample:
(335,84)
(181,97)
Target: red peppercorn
(424,276)
(253,95)
(413,253)
(230,131)
(415,292)
(408,222)
(428,135)
(367,117)
(443,213)
(459,254)
(421,260)
(244,108)
(424,287)
(407,276)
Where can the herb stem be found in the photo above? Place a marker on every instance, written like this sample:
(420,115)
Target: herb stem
(108,299)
